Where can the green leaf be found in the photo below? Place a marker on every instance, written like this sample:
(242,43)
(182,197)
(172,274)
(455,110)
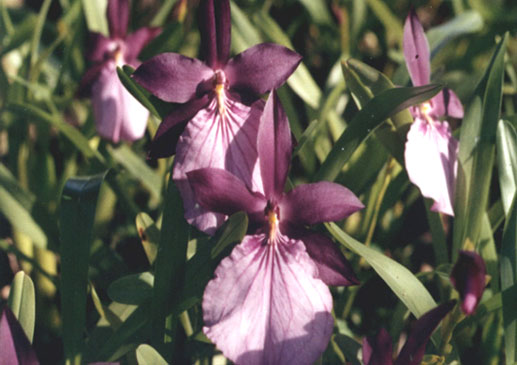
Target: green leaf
(95,13)
(149,234)
(169,271)
(77,214)
(234,231)
(140,94)
(380,108)
(507,162)
(469,21)
(476,153)
(21,219)
(22,33)
(22,301)
(32,112)
(301,80)
(404,284)
(508,262)
(391,23)
(125,156)
(132,289)
(318,11)
(146,355)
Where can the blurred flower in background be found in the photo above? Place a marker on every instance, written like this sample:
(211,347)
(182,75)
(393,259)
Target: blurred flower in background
(468,277)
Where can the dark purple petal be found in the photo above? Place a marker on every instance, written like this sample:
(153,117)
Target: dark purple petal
(136,41)
(468,277)
(318,202)
(446,103)
(378,350)
(333,268)
(414,348)
(208,31)
(222,192)
(416,50)
(261,68)
(274,147)
(91,75)
(172,77)
(99,47)
(223,138)
(266,304)
(14,344)
(170,129)
(118,17)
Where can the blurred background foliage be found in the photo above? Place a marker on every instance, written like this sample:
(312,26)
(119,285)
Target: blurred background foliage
(47,136)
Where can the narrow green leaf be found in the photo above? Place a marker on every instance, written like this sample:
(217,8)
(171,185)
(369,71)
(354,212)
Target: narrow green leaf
(476,153)
(22,301)
(391,23)
(507,162)
(95,13)
(146,355)
(132,289)
(469,21)
(404,284)
(318,11)
(244,34)
(125,156)
(21,219)
(169,271)
(32,112)
(508,262)
(136,90)
(380,108)
(149,234)
(233,232)
(163,13)
(22,33)
(77,214)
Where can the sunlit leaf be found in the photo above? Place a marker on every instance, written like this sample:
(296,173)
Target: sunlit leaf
(95,13)
(507,162)
(146,355)
(149,234)
(22,301)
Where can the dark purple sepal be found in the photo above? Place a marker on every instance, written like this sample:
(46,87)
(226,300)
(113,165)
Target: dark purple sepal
(318,202)
(333,268)
(274,147)
(261,68)
(172,77)
(223,22)
(468,277)
(15,347)
(222,192)
(414,348)
(208,32)
(138,40)
(118,17)
(98,47)
(166,137)
(377,350)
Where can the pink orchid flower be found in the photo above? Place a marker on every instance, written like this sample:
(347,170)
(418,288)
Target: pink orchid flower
(217,120)
(14,344)
(377,350)
(468,276)
(269,302)
(118,115)
(431,151)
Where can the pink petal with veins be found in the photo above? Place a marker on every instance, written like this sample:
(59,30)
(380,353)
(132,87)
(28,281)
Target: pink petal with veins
(431,162)
(227,142)
(266,306)
(118,115)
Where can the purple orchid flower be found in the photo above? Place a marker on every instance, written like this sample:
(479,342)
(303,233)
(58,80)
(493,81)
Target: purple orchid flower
(431,151)
(468,277)
(377,350)
(268,302)
(217,120)
(14,344)
(118,115)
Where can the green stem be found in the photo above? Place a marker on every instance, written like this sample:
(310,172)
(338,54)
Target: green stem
(437,232)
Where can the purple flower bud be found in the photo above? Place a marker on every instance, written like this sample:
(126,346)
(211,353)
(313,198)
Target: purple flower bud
(468,277)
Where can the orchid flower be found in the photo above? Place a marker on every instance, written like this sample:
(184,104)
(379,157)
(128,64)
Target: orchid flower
(269,302)
(431,151)
(118,115)
(14,344)
(468,277)
(378,350)
(217,120)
